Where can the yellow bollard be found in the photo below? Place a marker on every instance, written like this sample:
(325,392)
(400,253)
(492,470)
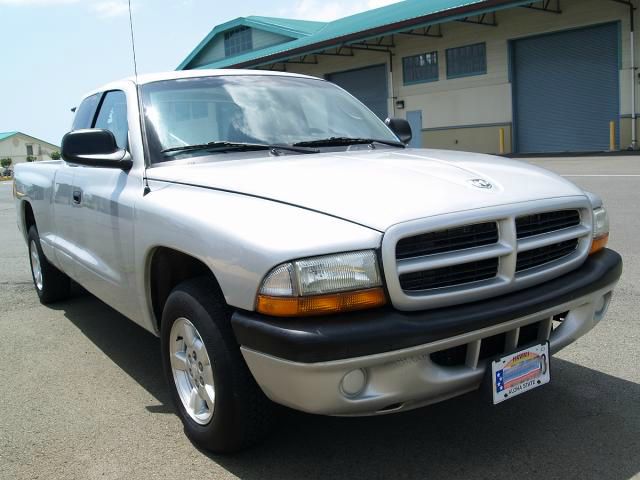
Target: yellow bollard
(612,136)
(502,141)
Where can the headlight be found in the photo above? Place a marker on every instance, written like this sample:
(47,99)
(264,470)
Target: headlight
(600,229)
(322,285)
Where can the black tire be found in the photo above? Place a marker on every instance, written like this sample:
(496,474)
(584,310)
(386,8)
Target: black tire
(242,413)
(56,286)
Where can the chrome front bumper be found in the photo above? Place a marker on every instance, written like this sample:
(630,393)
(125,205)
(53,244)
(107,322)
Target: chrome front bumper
(409,378)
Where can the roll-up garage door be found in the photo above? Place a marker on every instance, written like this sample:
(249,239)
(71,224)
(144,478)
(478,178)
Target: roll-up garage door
(565,88)
(369,85)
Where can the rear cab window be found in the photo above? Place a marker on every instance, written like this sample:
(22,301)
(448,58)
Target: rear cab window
(86,112)
(107,111)
(113,116)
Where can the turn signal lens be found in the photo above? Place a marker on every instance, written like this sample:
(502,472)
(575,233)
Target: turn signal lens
(600,222)
(321,304)
(600,229)
(599,243)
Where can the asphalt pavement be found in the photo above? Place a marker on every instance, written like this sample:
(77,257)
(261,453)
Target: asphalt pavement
(82,394)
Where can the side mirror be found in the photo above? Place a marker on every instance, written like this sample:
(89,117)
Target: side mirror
(94,147)
(401,128)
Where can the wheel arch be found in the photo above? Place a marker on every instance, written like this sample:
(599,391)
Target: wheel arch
(27,218)
(166,268)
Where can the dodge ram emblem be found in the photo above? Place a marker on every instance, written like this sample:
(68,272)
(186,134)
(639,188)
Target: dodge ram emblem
(481,183)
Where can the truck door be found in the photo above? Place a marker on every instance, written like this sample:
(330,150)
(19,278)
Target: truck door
(64,238)
(104,201)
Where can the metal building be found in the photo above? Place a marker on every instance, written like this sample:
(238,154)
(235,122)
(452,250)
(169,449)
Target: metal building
(551,76)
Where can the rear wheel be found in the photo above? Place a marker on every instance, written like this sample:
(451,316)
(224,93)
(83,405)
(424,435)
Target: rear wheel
(51,284)
(220,405)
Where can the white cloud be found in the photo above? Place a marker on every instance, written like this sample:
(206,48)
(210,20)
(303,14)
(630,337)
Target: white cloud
(330,10)
(103,8)
(36,2)
(111,8)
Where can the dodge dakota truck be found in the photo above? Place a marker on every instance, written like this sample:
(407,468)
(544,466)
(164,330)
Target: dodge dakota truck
(288,248)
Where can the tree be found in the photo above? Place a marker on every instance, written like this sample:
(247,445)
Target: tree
(6,162)
(31,158)
(55,155)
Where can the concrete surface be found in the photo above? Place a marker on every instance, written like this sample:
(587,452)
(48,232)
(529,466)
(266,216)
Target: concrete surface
(82,394)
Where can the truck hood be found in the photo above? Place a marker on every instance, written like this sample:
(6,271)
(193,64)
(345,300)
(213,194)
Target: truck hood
(377,188)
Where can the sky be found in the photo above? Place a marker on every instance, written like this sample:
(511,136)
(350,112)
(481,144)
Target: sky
(54,51)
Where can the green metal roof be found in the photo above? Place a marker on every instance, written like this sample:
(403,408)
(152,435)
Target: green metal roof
(287,27)
(401,16)
(5,135)
(301,27)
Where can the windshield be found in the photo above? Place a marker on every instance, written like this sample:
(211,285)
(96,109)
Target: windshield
(257,109)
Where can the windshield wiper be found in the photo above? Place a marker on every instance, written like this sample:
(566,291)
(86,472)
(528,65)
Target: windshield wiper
(225,146)
(337,141)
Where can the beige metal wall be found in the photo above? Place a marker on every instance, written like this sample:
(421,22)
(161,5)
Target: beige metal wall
(484,139)
(447,105)
(625,133)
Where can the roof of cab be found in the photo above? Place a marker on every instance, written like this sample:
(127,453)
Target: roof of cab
(175,75)
(146,78)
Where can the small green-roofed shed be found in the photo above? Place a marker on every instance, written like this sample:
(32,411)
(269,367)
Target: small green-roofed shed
(5,135)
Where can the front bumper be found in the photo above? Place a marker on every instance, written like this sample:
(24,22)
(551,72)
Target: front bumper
(383,361)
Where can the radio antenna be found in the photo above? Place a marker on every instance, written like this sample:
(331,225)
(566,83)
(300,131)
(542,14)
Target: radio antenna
(133,43)
(135,71)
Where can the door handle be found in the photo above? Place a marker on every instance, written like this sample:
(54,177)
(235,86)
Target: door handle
(77,197)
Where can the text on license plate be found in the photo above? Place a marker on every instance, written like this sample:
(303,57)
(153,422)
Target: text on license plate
(520,372)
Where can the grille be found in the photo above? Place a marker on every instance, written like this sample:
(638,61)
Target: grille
(448,276)
(549,253)
(539,223)
(439,261)
(449,240)
(489,347)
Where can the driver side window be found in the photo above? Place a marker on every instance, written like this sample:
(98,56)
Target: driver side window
(113,116)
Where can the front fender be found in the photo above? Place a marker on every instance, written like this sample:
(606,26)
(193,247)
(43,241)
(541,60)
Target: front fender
(239,237)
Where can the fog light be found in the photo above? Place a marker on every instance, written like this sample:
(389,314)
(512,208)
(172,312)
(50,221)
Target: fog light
(354,382)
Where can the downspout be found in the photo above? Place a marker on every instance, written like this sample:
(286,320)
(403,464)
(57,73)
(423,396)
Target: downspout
(634,141)
(393,98)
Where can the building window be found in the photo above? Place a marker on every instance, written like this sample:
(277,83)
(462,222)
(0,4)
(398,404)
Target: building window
(237,41)
(420,68)
(467,60)
(29,150)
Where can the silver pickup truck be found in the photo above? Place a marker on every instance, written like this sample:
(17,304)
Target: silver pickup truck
(288,248)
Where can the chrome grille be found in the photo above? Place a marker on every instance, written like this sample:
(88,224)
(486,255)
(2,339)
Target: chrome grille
(448,259)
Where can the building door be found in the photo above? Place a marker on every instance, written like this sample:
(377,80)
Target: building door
(369,85)
(415,121)
(566,90)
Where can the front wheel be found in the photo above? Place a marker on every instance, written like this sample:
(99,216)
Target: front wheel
(220,405)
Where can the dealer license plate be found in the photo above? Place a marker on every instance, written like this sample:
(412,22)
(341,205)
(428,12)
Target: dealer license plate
(520,372)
